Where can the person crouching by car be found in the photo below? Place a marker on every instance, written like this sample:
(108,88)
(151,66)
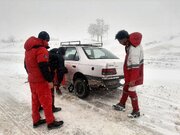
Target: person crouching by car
(40,79)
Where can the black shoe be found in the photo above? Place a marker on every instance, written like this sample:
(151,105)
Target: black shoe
(40,122)
(134,114)
(55,124)
(56,109)
(119,107)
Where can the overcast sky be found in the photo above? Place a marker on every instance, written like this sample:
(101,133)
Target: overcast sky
(69,19)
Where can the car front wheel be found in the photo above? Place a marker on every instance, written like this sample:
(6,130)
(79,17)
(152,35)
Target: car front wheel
(81,88)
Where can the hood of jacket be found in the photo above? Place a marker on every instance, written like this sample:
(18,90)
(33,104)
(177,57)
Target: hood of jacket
(135,38)
(33,42)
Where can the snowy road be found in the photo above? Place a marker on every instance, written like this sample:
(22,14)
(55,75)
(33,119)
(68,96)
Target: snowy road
(81,117)
(160,108)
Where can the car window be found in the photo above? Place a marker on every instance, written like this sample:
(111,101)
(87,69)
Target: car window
(71,54)
(98,53)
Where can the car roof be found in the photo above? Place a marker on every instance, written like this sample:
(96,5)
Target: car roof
(78,43)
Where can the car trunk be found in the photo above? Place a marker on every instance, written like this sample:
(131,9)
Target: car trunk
(101,64)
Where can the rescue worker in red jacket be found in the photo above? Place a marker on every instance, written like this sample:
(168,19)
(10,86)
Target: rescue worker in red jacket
(40,79)
(133,70)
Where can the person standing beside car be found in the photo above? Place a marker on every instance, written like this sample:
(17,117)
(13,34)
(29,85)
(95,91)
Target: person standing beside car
(58,69)
(62,70)
(40,79)
(133,70)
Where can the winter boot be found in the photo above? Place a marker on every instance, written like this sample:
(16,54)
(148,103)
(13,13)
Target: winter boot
(56,109)
(134,114)
(119,107)
(55,124)
(40,122)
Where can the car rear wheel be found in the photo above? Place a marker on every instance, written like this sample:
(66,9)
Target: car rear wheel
(81,88)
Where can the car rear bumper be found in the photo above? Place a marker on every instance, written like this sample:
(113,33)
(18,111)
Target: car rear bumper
(108,82)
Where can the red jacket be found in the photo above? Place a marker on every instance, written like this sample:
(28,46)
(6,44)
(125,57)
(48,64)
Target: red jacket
(35,53)
(134,61)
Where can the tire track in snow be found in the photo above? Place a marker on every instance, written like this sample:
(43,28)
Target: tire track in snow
(102,104)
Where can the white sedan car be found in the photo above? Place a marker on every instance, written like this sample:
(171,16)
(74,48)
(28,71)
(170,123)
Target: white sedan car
(91,66)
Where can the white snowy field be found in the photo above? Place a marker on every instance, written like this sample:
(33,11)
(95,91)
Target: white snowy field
(158,99)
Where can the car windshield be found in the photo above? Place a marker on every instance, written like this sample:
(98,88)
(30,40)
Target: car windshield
(98,53)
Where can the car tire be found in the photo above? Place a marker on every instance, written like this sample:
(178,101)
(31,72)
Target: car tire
(81,88)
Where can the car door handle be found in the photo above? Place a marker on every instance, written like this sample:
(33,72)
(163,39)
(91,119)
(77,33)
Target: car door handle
(73,66)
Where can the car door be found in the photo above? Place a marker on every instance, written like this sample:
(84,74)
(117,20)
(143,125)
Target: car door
(71,62)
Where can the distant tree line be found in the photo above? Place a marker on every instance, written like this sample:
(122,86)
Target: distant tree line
(10,39)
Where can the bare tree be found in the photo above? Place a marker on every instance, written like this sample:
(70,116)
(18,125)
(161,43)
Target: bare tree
(98,29)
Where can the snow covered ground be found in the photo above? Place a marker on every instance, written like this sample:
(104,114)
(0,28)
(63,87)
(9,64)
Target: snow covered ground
(158,20)
(158,99)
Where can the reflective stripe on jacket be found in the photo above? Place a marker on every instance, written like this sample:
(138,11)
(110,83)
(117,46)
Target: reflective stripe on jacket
(134,63)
